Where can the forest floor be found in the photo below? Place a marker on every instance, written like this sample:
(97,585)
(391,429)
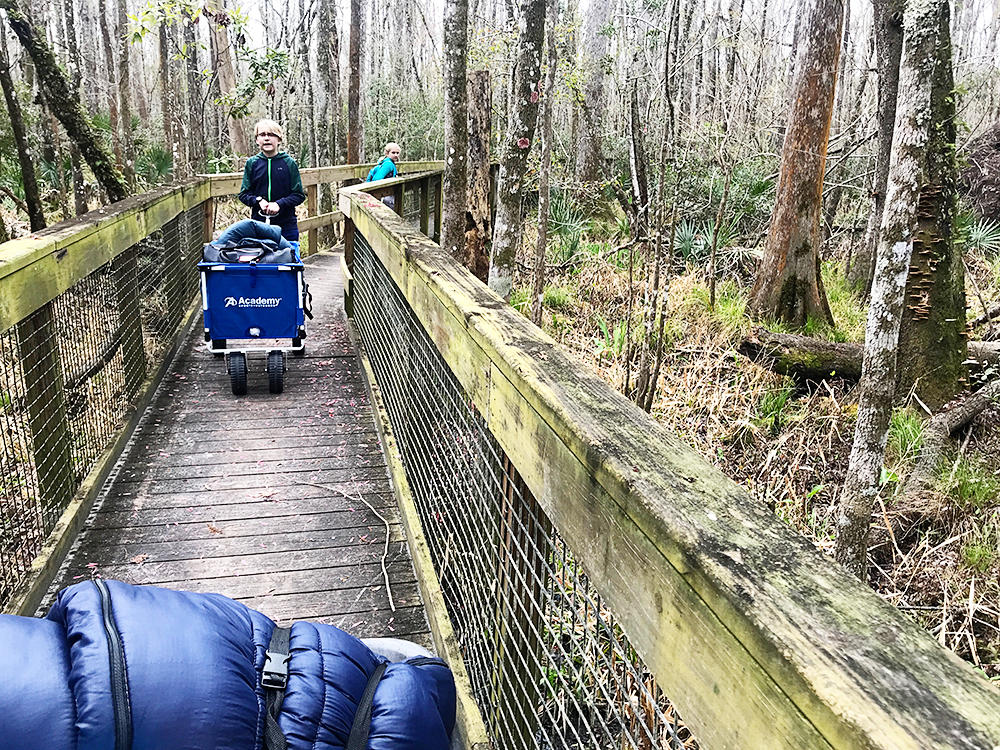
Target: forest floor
(790,445)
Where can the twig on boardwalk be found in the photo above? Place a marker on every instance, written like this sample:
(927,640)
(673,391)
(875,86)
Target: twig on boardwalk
(385,551)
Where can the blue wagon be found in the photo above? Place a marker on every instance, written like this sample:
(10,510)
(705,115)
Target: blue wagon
(253,306)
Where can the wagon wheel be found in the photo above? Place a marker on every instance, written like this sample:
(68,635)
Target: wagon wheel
(298,350)
(218,344)
(238,372)
(276,371)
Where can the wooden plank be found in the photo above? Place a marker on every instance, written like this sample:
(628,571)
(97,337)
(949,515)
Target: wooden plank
(229,183)
(350,480)
(191,509)
(329,563)
(726,604)
(237,539)
(312,223)
(173,492)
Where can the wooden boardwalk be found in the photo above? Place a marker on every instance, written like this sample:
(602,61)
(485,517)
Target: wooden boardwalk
(275,500)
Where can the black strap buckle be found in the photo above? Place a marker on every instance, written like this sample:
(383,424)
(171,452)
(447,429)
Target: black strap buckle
(275,672)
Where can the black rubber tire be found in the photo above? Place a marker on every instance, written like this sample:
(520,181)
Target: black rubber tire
(276,371)
(218,344)
(296,342)
(238,372)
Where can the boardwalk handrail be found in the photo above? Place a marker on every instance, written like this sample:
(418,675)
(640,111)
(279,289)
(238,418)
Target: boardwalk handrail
(90,311)
(757,637)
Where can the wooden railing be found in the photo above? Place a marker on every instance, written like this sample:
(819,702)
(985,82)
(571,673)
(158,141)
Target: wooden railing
(758,638)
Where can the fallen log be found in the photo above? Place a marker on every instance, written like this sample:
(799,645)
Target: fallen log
(937,436)
(809,359)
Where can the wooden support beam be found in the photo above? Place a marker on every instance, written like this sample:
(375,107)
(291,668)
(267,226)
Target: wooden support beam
(312,206)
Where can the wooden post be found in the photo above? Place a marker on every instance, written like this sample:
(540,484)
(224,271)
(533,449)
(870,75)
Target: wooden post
(398,191)
(439,193)
(349,243)
(130,320)
(208,220)
(312,206)
(45,400)
(173,271)
(425,205)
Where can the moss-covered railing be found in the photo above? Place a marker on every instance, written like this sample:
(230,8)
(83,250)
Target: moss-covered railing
(758,638)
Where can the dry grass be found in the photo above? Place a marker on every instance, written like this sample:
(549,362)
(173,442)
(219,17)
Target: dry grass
(790,447)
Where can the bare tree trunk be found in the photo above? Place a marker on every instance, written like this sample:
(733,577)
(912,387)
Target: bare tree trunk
(912,205)
(546,165)
(305,33)
(219,20)
(109,70)
(328,63)
(165,87)
(711,44)
(355,115)
(516,145)
(196,145)
(72,48)
(789,286)
(888,34)
(456,128)
(125,95)
(932,337)
(36,216)
(480,226)
(64,104)
(594,46)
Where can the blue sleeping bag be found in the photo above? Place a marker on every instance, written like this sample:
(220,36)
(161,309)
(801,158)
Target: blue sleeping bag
(120,667)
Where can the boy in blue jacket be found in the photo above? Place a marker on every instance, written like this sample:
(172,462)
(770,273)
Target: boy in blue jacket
(272,186)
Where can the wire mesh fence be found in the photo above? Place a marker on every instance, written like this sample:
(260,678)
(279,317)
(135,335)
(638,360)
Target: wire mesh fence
(550,668)
(70,373)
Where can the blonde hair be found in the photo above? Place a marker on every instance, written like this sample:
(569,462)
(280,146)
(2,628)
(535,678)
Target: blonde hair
(271,126)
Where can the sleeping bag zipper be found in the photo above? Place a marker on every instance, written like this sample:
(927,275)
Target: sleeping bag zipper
(119,674)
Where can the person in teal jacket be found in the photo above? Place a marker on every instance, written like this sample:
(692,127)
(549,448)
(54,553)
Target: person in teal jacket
(386,166)
(272,186)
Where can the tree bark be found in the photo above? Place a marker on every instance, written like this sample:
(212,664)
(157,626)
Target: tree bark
(548,95)
(789,286)
(109,72)
(888,48)
(36,216)
(355,116)
(456,129)
(521,122)
(64,103)
(309,85)
(594,47)
(913,195)
(328,63)
(933,335)
(480,227)
(125,96)
(165,88)
(219,20)
(196,144)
